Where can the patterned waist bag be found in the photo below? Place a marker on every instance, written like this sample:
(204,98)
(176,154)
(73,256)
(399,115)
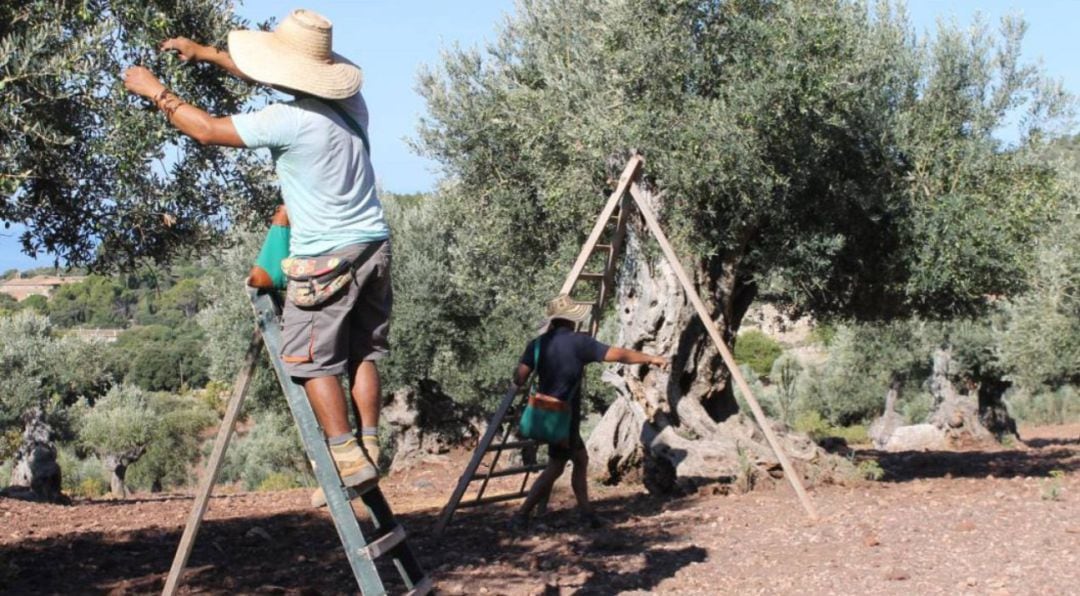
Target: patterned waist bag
(314,280)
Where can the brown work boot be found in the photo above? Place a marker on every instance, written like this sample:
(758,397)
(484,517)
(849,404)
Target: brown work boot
(371,447)
(371,451)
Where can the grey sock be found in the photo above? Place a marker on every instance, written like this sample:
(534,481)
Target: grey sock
(369,431)
(340,439)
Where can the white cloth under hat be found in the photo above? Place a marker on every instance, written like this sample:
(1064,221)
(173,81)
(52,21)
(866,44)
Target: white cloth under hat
(298,56)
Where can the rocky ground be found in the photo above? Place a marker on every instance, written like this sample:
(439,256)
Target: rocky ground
(978,522)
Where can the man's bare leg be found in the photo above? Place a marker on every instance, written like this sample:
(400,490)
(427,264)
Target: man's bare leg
(367,399)
(328,401)
(543,484)
(580,482)
(366,392)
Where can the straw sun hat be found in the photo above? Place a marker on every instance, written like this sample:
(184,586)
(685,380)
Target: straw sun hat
(564,307)
(296,55)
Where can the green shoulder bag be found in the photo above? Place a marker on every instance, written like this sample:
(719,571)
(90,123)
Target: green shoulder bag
(546,418)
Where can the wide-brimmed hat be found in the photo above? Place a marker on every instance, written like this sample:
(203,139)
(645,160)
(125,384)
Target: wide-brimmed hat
(296,55)
(564,307)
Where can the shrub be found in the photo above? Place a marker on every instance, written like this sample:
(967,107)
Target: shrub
(916,408)
(871,470)
(863,359)
(81,476)
(786,375)
(758,350)
(813,424)
(278,481)
(1059,406)
(817,427)
(766,396)
(5,472)
(175,444)
(272,447)
(91,488)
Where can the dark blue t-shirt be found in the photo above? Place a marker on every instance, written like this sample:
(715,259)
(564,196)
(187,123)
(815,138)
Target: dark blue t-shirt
(563,356)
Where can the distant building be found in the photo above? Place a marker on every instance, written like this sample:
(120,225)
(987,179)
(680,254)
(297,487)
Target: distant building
(21,288)
(105,335)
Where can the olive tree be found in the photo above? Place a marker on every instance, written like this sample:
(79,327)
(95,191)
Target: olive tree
(44,376)
(94,175)
(816,151)
(120,428)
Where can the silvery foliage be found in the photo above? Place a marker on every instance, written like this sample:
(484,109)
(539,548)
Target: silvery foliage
(95,175)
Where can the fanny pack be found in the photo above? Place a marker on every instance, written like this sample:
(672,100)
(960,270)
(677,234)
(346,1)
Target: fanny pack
(314,280)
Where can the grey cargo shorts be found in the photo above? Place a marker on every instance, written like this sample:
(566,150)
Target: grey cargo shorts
(349,328)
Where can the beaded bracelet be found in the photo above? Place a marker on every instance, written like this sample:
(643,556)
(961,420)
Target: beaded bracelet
(168,102)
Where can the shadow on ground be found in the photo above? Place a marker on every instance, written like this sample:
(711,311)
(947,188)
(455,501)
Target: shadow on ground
(299,553)
(1044,457)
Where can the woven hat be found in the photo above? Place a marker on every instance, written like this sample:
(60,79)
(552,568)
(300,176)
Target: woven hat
(296,55)
(564,307)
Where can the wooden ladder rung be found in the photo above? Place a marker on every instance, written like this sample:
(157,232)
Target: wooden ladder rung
(383,544)
(606,247)
(493,499)
(591,276)
(510,472)
(422,587)
(511,445)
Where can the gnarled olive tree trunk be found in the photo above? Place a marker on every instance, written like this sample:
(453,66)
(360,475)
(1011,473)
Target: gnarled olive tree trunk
(682,428)
(117,465)
(968,415)
(36,474)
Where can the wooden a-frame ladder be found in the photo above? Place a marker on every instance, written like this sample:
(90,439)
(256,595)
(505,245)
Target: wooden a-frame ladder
(602,250)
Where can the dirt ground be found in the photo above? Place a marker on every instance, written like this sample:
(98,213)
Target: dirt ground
(973,522)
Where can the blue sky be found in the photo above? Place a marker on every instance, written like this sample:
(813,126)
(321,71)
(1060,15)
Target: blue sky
(391,39)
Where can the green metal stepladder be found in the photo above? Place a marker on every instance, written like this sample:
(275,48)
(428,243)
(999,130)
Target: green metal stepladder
(388,538)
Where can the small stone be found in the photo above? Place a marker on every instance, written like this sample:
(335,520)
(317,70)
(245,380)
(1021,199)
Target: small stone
(965,526)
(258,532)
(972,582)
(897,575)
(871,540)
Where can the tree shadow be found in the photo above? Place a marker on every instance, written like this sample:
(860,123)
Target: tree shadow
(1056,442)
(904,466)
(299,552)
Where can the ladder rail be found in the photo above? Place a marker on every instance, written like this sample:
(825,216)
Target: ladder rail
(494,462)
(710,326)
(221,444)
(478,454)
(629,173)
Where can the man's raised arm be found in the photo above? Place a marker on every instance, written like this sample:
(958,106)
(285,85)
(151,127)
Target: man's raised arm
(627,356)
(193,51)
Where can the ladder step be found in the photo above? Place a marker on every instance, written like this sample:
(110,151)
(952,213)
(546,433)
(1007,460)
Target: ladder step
(591,276)
(606,247)
(510,471)
(493,499)
(383,544)
(512,445)
(422,587)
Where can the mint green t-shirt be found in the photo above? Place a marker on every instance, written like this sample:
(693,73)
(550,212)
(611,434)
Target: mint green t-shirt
(324,171)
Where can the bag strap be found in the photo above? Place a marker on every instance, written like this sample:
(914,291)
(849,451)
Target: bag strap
(536,365)
(350,122)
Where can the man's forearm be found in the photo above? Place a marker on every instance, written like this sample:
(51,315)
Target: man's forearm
(626,356)
(221,59)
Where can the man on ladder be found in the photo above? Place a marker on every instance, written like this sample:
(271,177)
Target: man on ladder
(563,355)
(337,317)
